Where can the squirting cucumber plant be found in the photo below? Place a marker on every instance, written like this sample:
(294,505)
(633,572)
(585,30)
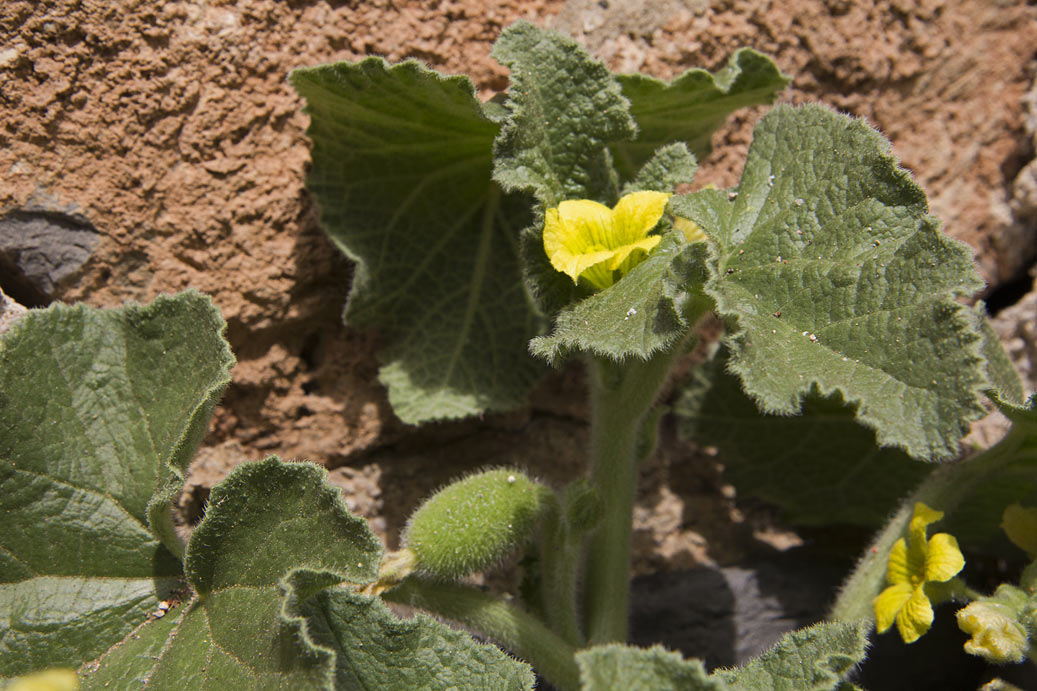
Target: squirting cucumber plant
(490,240)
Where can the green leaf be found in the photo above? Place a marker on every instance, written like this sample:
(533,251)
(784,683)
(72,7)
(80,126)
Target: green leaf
(402,162)
(837,280)
(275,539)
(693,106)
(668,167)
(821,467)
(643,313)
(265,522)
(266,518)
(375,650)
(615,666)
(565,108)
(816,658)
(99,409)
(127,665)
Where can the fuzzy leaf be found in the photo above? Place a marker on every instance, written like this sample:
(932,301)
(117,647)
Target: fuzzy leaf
(265,522)
(643,313)
(274,541)
(375,650)
(668,167)
(402,162)
(820,467)
(816,658)
(837,280)
(692,106)
(566,107)
(615,666)
(99,409)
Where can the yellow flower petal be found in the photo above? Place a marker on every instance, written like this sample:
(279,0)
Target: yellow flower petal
(573,235)
(1020,525)
(636,214)
(692,231)
(889,603)
(944,559)
(915,618)
(622,255)
(921,519)
(898,570)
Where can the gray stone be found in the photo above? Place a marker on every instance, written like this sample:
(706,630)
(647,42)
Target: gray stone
(729,615)
(40,246)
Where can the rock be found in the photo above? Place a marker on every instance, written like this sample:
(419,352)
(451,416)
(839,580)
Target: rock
(728,615)
(1017,328)
(40,246)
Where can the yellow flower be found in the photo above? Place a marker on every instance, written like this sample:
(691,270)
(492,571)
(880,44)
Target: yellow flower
(1020,525)
(588,240)
(913,563)
(692,231)
(996,635)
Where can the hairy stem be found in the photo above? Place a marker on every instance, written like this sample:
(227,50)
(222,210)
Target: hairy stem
(518,631)
(943,490)
(560,552)
(621,396)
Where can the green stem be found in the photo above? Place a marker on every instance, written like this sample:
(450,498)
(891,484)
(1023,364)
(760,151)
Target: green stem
(518,631)
(621,396)
(560,552)
(943,490)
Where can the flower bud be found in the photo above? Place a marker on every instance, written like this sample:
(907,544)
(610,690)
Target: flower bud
(996,635)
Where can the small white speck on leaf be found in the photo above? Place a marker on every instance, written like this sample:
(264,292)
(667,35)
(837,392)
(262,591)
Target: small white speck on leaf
(511,479)
(770,180)
(798,202)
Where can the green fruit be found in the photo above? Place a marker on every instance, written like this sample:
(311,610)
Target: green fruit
(473,523)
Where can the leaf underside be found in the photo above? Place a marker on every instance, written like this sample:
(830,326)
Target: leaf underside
(834,278)
(99,409)
(820,467)
(402,162)
(693,106)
